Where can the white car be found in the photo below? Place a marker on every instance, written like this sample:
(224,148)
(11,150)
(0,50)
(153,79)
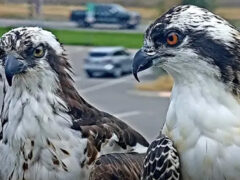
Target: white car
(102,61)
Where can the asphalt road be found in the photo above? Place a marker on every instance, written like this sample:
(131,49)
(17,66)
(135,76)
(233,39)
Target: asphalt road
(64,25)
(142,110)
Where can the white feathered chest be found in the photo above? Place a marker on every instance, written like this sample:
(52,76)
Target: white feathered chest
(205,128)
(39,143)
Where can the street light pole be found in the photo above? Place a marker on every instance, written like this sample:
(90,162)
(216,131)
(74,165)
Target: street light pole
(38,8)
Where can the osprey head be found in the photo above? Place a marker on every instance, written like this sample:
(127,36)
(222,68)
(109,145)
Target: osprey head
(188,41)
(28,51)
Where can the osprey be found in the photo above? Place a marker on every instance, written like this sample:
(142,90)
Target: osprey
(202,53)
(48,131)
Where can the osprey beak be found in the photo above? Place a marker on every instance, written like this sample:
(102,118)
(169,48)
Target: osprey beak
(141,61)
(13,66)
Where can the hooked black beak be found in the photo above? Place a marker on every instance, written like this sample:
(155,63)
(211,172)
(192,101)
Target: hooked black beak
(141,62)
(13,66)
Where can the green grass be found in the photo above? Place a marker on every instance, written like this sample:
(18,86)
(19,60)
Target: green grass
(236,23)
(95,38)
(3,30)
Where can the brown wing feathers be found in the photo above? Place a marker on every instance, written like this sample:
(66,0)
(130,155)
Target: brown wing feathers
(118,166)
(98,127)
(94,124)
(104,129)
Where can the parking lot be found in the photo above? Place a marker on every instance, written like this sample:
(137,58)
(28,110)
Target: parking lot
(143,110)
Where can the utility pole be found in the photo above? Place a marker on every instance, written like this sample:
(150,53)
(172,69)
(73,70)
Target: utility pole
(35,8)
(30,8)
(38,8)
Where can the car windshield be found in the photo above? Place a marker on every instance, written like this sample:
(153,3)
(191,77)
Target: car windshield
(99,8)
(104,7)
(98,54)
(120,8)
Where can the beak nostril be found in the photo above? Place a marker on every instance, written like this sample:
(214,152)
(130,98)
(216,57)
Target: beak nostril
(149,51)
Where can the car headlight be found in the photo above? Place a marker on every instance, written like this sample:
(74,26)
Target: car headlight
(109,66)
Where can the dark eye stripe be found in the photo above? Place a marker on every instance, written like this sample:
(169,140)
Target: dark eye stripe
(2,53)
(160,37)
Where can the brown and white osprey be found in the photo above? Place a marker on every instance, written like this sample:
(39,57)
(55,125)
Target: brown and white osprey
(202,53)
(48,131)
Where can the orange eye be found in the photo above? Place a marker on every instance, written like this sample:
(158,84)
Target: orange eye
(172,39)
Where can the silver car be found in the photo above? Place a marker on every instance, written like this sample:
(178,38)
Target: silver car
(102,61)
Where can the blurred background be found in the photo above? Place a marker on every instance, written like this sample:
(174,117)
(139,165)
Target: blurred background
(101,38)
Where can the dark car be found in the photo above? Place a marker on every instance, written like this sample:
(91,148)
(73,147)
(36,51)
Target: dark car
(105,14)
(102,61)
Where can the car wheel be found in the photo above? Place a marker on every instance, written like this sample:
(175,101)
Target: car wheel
(80,23)
(128,26)
(84,24)
(117,72)
(88,25)
(131,26)
(89,74)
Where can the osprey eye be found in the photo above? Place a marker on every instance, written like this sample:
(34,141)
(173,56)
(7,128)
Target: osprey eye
(38,52)
(172,39)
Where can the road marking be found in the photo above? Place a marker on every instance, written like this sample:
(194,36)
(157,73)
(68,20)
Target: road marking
(165,94)
(111,83)
(127,114)
(102,85)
